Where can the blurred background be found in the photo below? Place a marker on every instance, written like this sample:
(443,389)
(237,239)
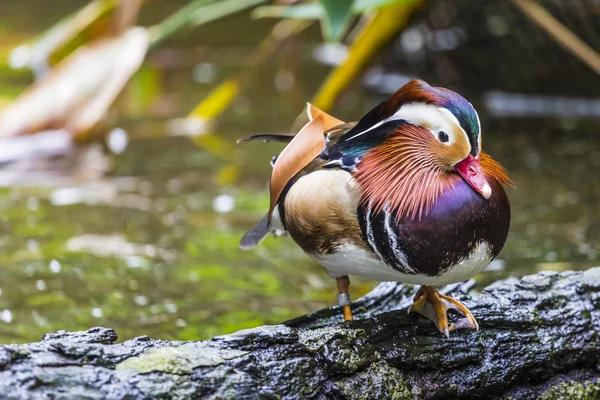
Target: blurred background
(124,195)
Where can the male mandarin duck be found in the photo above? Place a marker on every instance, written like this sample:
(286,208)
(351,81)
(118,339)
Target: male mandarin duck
(405,194)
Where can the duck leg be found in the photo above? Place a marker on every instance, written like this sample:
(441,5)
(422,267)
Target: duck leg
(430,303)
(343,284)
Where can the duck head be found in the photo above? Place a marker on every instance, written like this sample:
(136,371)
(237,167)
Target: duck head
(413,147)
(437,126)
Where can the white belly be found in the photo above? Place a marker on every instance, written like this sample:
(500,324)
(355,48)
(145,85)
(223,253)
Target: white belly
(352,260)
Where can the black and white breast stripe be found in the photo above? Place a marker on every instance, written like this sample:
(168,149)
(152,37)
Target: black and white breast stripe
(394,242)
(346,162)
(381,234)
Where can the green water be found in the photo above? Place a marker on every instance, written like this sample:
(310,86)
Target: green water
(146,241)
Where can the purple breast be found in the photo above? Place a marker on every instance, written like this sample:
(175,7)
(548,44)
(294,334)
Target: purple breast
(459,221)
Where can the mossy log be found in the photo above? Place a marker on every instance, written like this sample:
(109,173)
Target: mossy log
(539,338)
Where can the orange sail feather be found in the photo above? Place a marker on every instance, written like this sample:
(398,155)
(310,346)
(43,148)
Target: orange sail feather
(303,148)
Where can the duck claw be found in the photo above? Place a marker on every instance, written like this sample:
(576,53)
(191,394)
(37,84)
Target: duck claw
(434,306)
(465,323)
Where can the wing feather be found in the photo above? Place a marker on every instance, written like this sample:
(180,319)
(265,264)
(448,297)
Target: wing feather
(256,234)
(268,137)
(328,120)
(301,150)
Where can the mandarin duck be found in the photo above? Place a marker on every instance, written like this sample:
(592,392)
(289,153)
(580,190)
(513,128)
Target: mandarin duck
(405,194)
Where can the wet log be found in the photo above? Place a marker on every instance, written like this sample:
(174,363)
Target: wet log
(539,338)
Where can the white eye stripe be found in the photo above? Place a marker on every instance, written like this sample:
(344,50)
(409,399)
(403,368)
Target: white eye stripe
(435,118)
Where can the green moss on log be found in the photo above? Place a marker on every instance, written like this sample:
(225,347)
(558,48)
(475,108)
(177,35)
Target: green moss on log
(180,360)
(573,391)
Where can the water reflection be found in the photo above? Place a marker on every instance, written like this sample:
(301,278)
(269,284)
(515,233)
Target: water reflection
(519,105)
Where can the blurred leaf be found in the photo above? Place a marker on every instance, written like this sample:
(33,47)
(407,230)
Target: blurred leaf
(196,13)
(98,18)
(217,100)
(143,90)
(76,95)
(181,19)
(125,15)
(300,11)
(214,145)
(78,92)
(65,36)
(228,174)
(361,6)
(336,19)
(315,11)
(386,23)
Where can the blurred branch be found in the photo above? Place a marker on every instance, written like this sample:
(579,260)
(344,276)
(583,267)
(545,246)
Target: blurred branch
(388,21)
(312,11)
(76,94)
(560,33)
(125,15)
(112,17)
(56,43)
(196,13)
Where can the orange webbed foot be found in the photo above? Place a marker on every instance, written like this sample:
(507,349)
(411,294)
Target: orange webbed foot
(430,303)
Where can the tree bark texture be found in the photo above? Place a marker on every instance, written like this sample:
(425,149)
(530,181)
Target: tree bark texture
(539,338)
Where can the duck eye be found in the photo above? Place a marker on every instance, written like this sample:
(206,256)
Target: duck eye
(443,137)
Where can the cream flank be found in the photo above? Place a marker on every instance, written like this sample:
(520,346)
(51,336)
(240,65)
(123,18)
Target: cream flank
(352,260)
(321,198)
(320,211)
